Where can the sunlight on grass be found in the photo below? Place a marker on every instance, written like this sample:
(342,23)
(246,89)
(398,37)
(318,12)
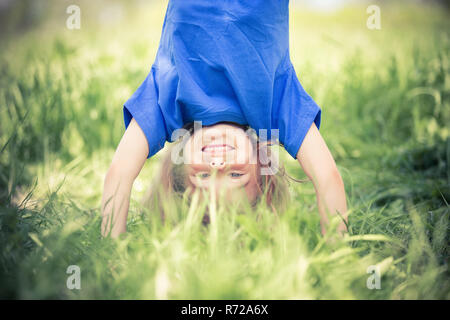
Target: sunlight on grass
(386,109)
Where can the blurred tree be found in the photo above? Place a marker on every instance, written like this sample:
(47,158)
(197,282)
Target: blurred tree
(446,2)
(20,15)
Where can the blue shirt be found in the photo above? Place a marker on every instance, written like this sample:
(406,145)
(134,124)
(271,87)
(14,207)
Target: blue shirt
(219,61)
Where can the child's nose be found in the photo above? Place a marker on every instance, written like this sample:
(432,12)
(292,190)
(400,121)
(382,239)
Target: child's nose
(217,163)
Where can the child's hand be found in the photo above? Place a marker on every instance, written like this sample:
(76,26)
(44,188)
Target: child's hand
(127,162)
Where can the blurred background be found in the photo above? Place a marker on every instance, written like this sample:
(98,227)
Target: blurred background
(384,93)
(20,15)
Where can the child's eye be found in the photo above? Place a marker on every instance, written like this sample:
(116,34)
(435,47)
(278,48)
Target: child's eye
(203,175)
(236,174)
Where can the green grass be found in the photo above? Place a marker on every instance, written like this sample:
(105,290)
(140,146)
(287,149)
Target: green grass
(386,109)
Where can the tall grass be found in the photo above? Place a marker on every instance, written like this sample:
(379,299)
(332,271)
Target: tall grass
(386,110)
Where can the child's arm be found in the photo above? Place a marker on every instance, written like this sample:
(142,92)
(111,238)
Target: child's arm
(319,165)
(127,162)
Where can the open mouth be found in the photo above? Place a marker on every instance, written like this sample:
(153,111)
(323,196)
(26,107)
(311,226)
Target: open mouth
(216,148)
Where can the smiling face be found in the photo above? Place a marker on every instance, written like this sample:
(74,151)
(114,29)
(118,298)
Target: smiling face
(222,157)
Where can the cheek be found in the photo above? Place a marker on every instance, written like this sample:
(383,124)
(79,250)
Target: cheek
(192,152)
(245,152)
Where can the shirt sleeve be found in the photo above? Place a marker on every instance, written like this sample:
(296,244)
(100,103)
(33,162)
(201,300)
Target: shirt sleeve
(296,112)
(144,108)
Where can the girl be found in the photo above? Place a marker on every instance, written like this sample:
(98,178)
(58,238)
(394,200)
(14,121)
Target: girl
(225,64)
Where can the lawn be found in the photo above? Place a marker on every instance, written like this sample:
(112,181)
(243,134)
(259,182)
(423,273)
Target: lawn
(385,98)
